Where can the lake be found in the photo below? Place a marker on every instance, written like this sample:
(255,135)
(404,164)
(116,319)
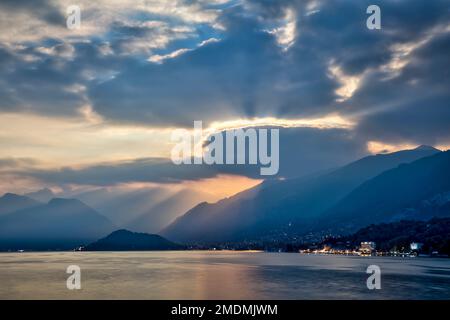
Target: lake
(219,275)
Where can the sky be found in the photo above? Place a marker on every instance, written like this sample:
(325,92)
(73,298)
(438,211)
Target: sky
(96,106)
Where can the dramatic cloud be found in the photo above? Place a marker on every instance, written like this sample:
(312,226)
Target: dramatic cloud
(163,64)
(302,151)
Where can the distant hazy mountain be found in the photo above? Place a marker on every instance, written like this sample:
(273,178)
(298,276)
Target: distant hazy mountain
(11,202)
(43,195)
(60,224)
(122,206)
(283,206)
(143,210)
(165,211)
(124,240)
(416,191)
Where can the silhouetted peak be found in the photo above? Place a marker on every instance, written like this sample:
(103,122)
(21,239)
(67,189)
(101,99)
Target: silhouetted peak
(15,197)
(121,232)
(125,240)
(129,234)
(10,195)
(426,148)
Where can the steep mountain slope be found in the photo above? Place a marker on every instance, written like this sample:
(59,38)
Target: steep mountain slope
(122,206)
(165,211)
(419,191)
(11,202)
(147,209)
(60,224)
(283,206)
(124,240)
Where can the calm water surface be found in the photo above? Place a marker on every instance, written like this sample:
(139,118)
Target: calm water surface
(219,275)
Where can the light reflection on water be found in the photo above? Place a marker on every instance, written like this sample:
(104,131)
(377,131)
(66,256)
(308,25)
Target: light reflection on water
(219,275)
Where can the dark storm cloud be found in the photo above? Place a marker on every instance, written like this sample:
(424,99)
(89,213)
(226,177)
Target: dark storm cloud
(44,9)
(302,151)
(224,79)
(249,74)
(39,85)
(414,106)
(409,104)
(339,30)
(244,74)
(422,121)
(140,170)
(8,99)
(53,82)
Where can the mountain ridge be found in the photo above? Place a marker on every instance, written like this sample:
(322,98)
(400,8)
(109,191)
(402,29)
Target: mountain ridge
(11,202)
(284,206)
(384,197)
(59,224)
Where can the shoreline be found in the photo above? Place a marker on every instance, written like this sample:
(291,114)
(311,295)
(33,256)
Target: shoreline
(235,251)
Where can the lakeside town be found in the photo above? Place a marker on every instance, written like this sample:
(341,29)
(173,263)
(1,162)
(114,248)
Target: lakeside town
(368,248)
(364,249)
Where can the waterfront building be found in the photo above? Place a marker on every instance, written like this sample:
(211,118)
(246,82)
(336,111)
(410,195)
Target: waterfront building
(367,247)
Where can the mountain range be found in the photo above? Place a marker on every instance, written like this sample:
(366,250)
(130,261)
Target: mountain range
(41,221)
(410,184)
(144,210)
(408,192)
(11,202)
(58,224)
(290,206)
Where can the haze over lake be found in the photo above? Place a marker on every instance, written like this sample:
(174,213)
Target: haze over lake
(219,275)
